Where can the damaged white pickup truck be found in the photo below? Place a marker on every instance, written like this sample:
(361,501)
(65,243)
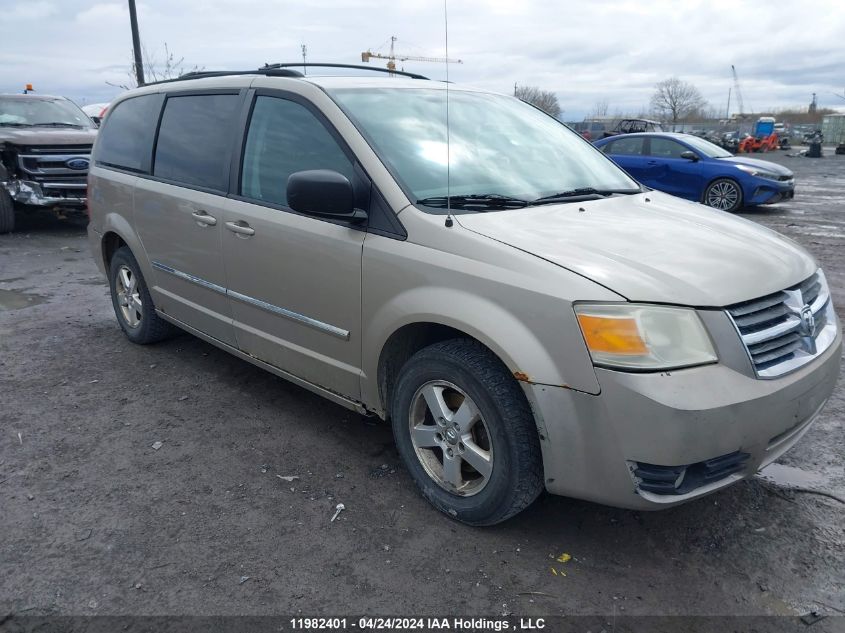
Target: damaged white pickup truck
(45,147)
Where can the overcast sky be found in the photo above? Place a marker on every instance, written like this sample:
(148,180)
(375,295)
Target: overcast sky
(613,50)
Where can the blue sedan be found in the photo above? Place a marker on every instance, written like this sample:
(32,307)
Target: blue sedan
(690,167)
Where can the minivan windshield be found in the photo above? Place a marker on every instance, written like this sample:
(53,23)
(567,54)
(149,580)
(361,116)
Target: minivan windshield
(41,112)
(500,149)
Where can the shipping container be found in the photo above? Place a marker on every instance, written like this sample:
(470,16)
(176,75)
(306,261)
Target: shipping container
(833,129)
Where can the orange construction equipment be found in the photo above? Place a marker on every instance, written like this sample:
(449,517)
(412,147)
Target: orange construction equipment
(764,139)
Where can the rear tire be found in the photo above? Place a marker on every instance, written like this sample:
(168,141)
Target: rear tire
(133,305)
(466,433)
(7,213)
(724,194)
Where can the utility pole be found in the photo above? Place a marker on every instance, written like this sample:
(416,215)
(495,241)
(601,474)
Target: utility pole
(304,56)
(136,44)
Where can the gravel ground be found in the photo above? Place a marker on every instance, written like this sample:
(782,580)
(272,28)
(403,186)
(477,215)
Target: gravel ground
(94,519)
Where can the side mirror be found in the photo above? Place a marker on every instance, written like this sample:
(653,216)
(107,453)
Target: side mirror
(324,193)
(690,155)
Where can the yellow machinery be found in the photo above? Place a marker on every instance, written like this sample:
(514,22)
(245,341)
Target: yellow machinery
(393,56)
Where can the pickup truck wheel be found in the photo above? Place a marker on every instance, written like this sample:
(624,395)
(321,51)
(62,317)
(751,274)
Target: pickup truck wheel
(7,213)
(724,194)
(132,302)
(466,434)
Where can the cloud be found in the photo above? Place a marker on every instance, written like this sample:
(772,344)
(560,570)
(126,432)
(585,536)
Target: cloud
(32,10)
(103,14)
(585,52)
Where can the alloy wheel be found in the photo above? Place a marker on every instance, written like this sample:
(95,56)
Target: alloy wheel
(723,195)
(450,438)
(128,296)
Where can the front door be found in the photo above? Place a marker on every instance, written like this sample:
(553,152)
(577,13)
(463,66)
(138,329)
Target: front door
(179,212)
(294,281)
(668,172)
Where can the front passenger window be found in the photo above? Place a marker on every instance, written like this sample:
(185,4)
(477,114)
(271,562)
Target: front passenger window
(285,137)
(666,148)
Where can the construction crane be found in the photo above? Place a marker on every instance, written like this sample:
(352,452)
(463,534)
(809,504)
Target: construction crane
(393,56)
(738,93)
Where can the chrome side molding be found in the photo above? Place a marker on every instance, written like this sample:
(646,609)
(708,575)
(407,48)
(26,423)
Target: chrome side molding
(321,326)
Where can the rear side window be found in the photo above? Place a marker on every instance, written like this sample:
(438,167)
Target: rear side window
(285,137)
(195,139)
(631,146)
(126,138)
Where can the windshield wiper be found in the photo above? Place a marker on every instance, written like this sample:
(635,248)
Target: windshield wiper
(582,193)
(476,202)
(56,124)
(11,124)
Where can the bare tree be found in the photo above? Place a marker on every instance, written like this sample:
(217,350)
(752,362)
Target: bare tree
(676,99)
(543,99)
(154,70)
(599,110)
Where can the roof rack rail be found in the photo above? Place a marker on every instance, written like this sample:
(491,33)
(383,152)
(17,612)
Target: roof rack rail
(279,70)
(203,74)
(373,69)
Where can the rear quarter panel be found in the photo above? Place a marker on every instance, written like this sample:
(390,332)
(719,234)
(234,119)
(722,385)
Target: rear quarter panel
(110,205)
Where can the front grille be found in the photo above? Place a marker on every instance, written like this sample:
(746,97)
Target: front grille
(57,149)
(785,329)
(679,480)
(47,163)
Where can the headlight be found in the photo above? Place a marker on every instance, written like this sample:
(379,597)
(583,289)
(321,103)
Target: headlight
(644,337)
(760,173)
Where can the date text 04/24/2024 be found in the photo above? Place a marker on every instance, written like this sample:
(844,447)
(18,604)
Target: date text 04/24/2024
(416,624)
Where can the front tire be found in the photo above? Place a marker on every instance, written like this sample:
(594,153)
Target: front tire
(7,213)
(133,305)
(724,194)
(466,434)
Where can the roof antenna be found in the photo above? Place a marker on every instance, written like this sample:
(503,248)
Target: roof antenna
(448,143)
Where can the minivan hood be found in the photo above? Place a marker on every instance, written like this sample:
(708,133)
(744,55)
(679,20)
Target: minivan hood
(653,247)
(30,136)
(774,168)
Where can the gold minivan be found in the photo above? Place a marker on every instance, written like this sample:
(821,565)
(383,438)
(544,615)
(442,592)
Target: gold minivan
(458,262)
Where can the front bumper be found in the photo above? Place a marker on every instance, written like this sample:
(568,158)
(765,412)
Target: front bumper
(593,445)
(764,191)
(59,194)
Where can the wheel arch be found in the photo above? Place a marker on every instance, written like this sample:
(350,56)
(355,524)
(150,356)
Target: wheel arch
(117,232)
(395,338)
(109,244)
(402,344)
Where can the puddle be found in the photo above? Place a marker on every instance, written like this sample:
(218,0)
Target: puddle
(792,477)
(17,299)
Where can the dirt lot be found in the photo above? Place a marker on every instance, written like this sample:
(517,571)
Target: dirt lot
(94,520)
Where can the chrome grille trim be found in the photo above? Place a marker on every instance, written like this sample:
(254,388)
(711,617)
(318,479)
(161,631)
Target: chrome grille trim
(35,165)
(789,323)
(777,336)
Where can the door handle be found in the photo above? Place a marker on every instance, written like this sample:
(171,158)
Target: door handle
(203,219)
(241,228)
